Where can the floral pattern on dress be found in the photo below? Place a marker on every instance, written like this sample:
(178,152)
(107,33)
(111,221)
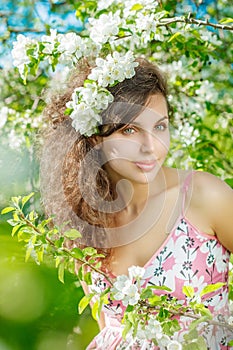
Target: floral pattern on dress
(186,258)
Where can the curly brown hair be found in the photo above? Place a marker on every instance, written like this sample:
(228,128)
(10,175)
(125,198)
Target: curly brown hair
(71,165)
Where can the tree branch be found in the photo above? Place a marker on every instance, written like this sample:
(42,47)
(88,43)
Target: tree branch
(198,22)
(185,313)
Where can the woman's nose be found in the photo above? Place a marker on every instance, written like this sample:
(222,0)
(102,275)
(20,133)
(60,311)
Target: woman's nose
(148,142)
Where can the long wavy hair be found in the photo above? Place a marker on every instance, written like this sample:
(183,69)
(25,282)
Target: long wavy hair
(73,178)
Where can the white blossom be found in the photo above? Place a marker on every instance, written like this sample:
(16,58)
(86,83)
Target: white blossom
(207,91)
(153,329)
(230,321)
(114,68)
(85,119)
(49,41)
(70,43)
(145,25)
(105,27)
(174,345)
(104,4)
(124,290)
(15,140)
(86,104)
(19,52)
(136,272)
(3,115)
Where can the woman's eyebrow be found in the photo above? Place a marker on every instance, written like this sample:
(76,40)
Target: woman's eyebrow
(157,121)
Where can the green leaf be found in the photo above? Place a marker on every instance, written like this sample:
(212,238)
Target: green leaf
(154,300)
(40,254)
(161,288)
(84,302)
(87,278)
(7,210)
(211,288)
(229,182)
(137,7)
(28,253)
(188,291)
(128,326)
(95,310)
(15,200)
(129,308)
(193,334)
(194,324)
(89,251)
(16,229)
(174,36)
(61,271)
(226,20)
(146,293)
(72,234)
(77,253)
(26,199)
(81,273)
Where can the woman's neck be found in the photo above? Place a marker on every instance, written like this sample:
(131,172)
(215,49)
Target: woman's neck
(135,195)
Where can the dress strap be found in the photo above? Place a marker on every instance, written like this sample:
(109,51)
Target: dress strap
(185,188)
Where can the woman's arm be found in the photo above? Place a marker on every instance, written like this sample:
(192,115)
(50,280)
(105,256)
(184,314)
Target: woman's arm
(217,204)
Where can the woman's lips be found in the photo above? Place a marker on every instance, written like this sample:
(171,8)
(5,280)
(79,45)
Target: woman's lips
(146,166)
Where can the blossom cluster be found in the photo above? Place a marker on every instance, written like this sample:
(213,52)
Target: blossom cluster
(125,289)
(88,101)
(128,290)
(133,23)
(17,125)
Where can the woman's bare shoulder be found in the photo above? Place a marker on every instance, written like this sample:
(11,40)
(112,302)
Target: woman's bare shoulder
(215,198)
(210,185)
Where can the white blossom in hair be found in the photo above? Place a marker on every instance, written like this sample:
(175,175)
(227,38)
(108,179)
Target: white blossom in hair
(89,100)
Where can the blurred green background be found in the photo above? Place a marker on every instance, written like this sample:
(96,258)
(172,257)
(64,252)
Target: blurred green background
(37,312)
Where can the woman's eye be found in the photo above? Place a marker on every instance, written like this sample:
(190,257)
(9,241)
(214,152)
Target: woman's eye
(128,131)
(161,127)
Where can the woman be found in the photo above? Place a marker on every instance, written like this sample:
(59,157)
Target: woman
(177,224)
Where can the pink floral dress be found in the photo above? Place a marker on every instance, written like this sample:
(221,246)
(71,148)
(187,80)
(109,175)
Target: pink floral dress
(187,257)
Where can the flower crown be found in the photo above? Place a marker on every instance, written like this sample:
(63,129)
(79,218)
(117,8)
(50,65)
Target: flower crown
(93,97)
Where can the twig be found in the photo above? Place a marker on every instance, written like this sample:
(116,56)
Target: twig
(65,249)
(186,314)
(190,20)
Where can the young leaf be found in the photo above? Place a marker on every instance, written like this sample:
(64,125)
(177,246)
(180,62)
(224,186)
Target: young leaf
(226,20)
(84,302)
(15,200)
(89,251)
(160,288)
(61,270)
(72,234)
(174,36)
(81,273)
(77,253)
(26,199)
(95,310)
(211,288)
(87,278)
(194,324)
(137,7)
(16,229)
(128,326)
(188,291)
(7,210)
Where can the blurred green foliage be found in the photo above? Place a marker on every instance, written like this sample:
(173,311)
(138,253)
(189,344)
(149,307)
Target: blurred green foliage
(37,312)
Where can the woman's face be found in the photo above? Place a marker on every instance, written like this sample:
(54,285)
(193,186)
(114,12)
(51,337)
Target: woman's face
(137,151)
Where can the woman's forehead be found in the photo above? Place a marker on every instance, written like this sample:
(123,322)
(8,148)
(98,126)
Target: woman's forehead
(155,110)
